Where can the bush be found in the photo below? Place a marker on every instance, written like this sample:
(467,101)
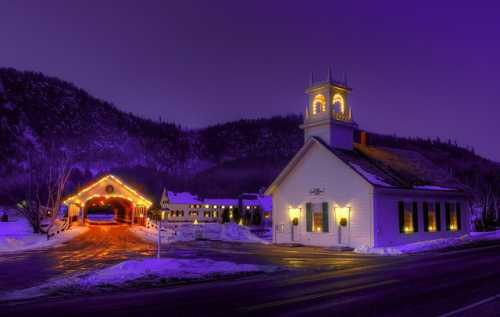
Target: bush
(4,218)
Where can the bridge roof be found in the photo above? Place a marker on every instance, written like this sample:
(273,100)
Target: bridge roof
(108,186)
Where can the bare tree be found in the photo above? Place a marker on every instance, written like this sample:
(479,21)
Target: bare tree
(47,173)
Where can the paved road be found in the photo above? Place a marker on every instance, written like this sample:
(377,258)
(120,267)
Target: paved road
(320,283)
(98,247)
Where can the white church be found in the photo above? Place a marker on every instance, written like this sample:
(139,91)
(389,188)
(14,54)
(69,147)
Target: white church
(335,192)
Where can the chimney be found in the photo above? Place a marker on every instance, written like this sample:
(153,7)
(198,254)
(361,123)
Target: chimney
(363,138)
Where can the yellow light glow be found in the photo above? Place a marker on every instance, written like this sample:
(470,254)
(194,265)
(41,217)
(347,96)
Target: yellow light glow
(337,98)
(319,104)
(195,221)
(141,199)
(342,213)
(293,213)
(408,229)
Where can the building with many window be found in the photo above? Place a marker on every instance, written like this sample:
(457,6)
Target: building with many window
(186,207)
(335,192)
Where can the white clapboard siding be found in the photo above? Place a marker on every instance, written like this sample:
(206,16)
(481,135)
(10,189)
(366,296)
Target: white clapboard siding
(319,168)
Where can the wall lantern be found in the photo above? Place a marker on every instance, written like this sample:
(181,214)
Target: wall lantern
(342,215)
(294,214)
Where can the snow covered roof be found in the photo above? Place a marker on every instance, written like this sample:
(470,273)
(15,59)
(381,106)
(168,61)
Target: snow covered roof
(183,198)
(265,202)
(397,168)
(221,201)
(385,168)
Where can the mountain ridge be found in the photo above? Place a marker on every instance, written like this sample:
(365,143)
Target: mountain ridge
(222,159)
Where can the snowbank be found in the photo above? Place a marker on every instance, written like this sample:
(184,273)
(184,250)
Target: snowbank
(17,235)
(207,231)
(136,270)
(430,245)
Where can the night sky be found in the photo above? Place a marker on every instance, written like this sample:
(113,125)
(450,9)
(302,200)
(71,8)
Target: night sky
(415,70)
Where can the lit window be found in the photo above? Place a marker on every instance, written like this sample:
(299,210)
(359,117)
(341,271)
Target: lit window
(318,104)
(214,215)
(408,223)
(267,215)
(248,207)
(408,215)
(206,214)
(207,206)
(431,218)
(338,103)
(215,206)
(318,222)
(452,216)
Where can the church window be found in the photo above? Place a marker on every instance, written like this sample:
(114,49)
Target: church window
(408,217)
(453,216)
(319,104)
(338,103)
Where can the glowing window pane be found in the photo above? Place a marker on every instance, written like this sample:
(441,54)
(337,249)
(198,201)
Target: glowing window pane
(318,104)
(338,99)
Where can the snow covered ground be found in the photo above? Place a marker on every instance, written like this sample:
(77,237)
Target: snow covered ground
(17,235)
(136,271)
(207,231)
(430,245)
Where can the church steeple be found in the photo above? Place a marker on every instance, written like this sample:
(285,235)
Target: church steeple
(328,114)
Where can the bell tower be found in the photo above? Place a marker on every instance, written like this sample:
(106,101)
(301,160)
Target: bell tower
(328,114)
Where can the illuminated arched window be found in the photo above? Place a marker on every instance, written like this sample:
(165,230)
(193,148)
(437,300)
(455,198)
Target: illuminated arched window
(338,103)
(319,104)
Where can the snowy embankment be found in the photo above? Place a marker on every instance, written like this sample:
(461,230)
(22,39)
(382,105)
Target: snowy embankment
(17,235)
(204,231)
(431,245)
(134,272)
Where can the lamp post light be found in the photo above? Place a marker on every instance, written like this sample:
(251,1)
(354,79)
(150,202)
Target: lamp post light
(294,214)
(342,214)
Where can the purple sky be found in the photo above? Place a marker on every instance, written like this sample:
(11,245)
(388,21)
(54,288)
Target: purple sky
(415,71)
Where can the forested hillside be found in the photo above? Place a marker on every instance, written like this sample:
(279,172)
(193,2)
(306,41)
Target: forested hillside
(40,114)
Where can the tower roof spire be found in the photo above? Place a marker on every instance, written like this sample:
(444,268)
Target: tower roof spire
(329,78)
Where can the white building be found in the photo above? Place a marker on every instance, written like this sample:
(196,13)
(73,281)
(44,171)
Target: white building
(335,192)
(186,207)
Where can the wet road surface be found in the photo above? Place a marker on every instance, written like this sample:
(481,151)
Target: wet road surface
(319,283)
(102,246)
(98,247)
